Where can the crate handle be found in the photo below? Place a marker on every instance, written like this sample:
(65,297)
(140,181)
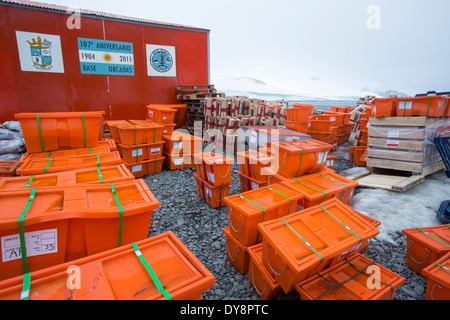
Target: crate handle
(409,252)
(229,254)
(432,290)
(254,283)
(231,224)
(270,266)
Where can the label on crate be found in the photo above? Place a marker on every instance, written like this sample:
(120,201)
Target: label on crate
(178,145)
(139,152)
(136,168)
(392,143)
(350,251)
(393,134)
(37,243)
(210,177)
(330,163)
(178,162)
(154,151)
(208,192)
(405,105)
(322,157)
(332,118)
(254,185)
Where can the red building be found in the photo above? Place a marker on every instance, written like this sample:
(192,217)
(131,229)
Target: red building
(53,58)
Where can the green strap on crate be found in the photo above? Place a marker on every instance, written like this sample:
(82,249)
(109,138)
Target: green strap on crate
(116,198)
(306,242)
(324,194)
(137,152)
(47,155)
(290,204)
(99,175)
(135,132)
(84,129)
(156,164)
(29,182)
(152,273)
(428,106)
(440,265)
(48,165)
(404,107)
(264,212)
(448,245)
(23,247)
(336,182)
(347,227)
(323,156)
(25,294)
(301,159)
(90,151)
(98,159)
(40,132)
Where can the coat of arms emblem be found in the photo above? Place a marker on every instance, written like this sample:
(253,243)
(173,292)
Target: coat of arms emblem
(41,53)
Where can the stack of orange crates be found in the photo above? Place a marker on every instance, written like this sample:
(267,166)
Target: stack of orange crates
(254,169)
(357,153)
(171,116)
(180,149)
(433,106)
(297,117)
(213,177)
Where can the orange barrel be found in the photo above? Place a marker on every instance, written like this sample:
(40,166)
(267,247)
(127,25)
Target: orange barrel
(247,209)
(41,166)
(261,279)
(156,268)
(103,174)
(247,183)
(348,280)
(140,133)
(161,114)
(218,169)
(112,126)
(296,158)
(426,245)
(299,112)
(66,153)
(145,167)
(384,107)
(179,143)
(438,279)
(301,127)
(302,244)
(178,162)
(141,152)
(60,130)
(62,224)
(215,195)
(237,253)
(320,187)
(8,168)
(200,183)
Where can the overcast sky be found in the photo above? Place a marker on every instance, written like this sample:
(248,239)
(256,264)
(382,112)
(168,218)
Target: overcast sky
(328,43)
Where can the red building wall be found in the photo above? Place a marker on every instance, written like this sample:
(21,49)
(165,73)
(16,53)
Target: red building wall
(121,97)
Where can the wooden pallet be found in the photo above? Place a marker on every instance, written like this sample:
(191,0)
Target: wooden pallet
(199,96)
(207,88)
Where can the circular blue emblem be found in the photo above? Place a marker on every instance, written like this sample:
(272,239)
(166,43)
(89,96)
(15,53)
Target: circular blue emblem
(161,60)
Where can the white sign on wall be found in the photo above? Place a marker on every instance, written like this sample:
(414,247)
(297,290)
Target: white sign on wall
(161,61)
(40,52)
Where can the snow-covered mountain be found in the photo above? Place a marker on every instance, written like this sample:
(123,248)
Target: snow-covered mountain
(254,88)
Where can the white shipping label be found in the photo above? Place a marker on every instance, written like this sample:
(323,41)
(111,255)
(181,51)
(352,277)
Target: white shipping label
(155,151)
(37,243)
(208,192)
(178,145)
(348,252)
(392,143)
(393,134)
(332,118)
(330,163)
(210,177)
(178,162)
(139,152)
(295,138)
(322,157)
(136,168)
(255,185)
(403,105)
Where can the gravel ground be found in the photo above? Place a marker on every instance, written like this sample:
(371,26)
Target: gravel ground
(199,227)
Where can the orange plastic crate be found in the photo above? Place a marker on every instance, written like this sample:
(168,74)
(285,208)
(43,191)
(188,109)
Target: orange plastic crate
(67,153)
(161,114)
(261,279)
(327,137)
(179,143)
(320,187)
(112,126)
(293,253)
(146,167)
(247,209)
(426,245)
(299,112)
(215,195)
(60,130)
(438,276)
(384,107)
(300,157)
(255,164)
(8,168)
(355,155)
(104,174)
(118,274)
(301,127)
(139,153)
(341,117)
(316,123)
(237,253)
(168,127)
(218,168)
(426,106)
(331,160)
(41,166)
(138,134)
(348,280)
(179,162)
(247,183)
(75,222)
(200,183)
(108,142)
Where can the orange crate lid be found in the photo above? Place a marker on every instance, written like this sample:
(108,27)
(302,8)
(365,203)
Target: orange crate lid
(7,167)
(264,197)
(300,146)
(437,237)
(331,222)
(439,271)
(345,281)
(68,153)
(118,274)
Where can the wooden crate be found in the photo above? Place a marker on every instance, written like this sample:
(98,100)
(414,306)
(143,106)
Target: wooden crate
(400,143)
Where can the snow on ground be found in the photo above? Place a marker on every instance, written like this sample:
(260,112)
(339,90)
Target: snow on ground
(413,208)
